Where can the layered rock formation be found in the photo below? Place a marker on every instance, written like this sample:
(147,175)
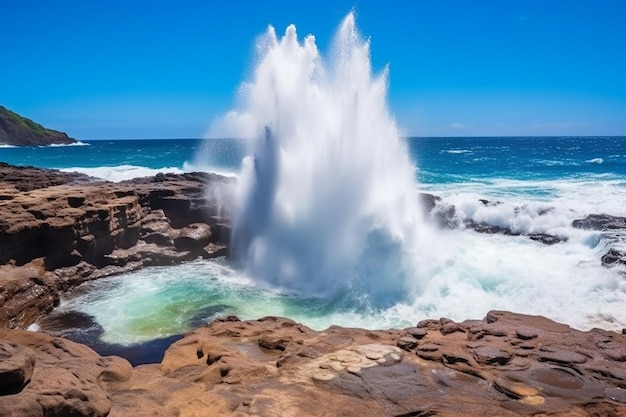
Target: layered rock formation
(58,230)
(505,365)
(16,130)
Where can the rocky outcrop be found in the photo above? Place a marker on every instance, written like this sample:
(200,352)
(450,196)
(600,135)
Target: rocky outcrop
(504,365)
(58,230)
(16,130)
(612,236)
(63,378)
(444,215)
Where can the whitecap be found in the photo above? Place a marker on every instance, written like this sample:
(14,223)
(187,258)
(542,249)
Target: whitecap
(457,151)
(122,172)
(61,145)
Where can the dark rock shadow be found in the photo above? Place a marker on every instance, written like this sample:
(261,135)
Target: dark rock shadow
(83,328)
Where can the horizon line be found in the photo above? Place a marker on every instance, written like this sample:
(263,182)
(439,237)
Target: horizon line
(404,137)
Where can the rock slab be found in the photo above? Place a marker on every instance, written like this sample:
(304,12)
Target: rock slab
(504,365)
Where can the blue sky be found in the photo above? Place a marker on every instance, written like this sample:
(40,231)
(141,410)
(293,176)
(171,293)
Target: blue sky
(167,69)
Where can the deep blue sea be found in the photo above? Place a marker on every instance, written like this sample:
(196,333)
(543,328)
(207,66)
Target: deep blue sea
(541,184)
(440,160)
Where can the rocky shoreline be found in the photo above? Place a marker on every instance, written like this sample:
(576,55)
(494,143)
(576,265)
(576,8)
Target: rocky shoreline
(504,365)
(59,229)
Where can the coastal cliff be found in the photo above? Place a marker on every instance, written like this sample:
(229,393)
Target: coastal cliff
(60,229)
(16,130)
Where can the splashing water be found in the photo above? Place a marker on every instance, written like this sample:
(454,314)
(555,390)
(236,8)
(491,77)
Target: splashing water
(327,201)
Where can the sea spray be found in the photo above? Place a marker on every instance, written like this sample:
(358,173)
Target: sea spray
(326,200)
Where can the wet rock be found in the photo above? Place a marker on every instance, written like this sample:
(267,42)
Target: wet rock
(600,222)
(439,212)
(546,239)
(483,227)
(614,257)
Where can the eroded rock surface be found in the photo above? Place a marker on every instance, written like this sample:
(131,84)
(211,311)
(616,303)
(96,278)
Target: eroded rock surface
(504,365)
(60,229)
(66,378)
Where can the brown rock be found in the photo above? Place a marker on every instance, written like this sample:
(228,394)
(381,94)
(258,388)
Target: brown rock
(275,366)
(16,367)
(491,356)
(416,332)
(194,236)
(562,357)
(526,333)
(407,343)
(61,229)
(66,378)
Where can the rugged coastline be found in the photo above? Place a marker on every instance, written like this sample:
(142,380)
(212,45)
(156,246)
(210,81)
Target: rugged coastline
(60,229)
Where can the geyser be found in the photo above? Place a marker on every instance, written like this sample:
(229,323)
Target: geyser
(326,198)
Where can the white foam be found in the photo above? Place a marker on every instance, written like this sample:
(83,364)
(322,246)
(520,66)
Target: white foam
(60,145)
(457,151)
(565,282)
(595,161)
(2,146)
(200,167)
(122,172)
(34,327)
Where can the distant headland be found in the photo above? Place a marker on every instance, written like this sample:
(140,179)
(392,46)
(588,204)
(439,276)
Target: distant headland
(16,130)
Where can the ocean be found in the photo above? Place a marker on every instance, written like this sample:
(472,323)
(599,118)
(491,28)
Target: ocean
(469,274)
(327,225)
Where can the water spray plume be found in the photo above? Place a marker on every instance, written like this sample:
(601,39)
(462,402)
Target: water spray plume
(326,200)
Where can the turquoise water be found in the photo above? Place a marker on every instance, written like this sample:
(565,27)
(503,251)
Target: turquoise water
(468,273)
